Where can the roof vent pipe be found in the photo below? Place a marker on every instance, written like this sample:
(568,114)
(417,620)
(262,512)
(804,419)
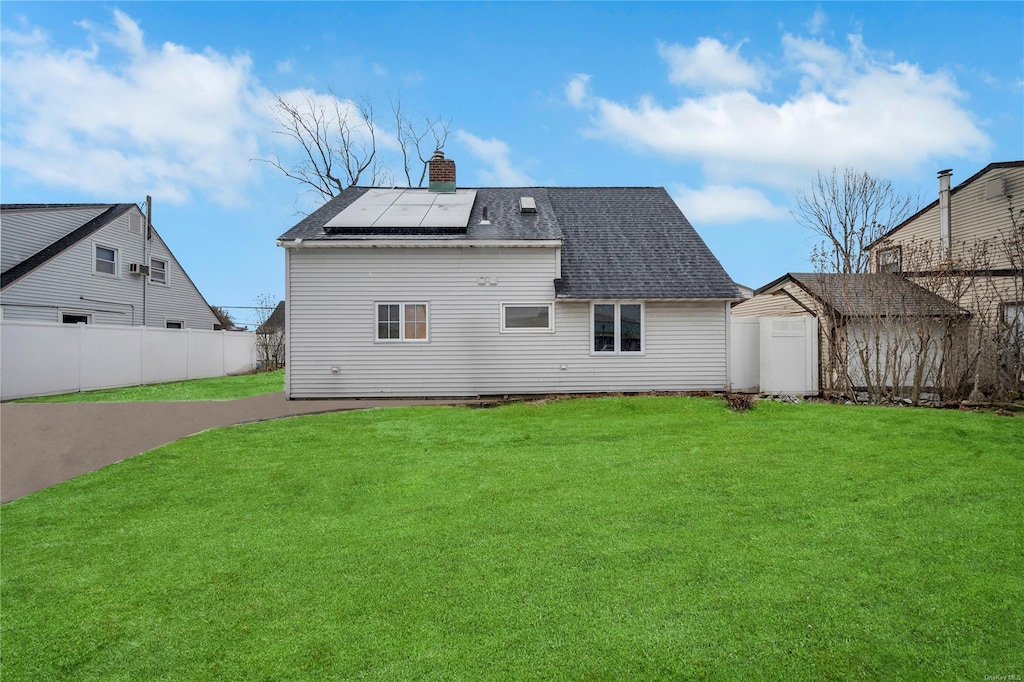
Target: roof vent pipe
(945,216)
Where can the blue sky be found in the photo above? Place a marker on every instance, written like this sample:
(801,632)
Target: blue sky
(732,107)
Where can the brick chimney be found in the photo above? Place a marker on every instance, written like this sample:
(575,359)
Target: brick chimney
(442,173)
(945,215)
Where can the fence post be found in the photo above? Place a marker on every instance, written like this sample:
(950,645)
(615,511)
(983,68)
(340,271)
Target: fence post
(81,355)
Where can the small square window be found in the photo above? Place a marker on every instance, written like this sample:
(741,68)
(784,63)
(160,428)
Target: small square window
(174,324)
(106,260)
(889,260)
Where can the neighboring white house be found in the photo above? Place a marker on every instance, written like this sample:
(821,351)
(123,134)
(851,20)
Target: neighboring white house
(93,263)
(453,292)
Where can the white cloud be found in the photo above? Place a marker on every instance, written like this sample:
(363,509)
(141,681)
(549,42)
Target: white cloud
(122,119)
(577,90)
(379,70)
(853,108)
(495,153)
(710,65)
(285,66)
(816,24)
(726,204)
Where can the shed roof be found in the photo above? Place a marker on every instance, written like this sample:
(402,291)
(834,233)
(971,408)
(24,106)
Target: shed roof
(868,294)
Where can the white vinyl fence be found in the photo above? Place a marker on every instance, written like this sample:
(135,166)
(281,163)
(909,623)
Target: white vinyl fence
(774,355)
(45,358)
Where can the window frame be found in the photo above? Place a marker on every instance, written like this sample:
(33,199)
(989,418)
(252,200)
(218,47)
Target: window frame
(168,322)
(527,330)
(401,321)
(898,262)
(617,330)
(166,280)
(95,259)
(74,313)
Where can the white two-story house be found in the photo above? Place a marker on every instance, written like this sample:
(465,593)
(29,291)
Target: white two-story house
(93,264)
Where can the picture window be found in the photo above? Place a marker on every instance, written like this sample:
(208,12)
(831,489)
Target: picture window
(529,317)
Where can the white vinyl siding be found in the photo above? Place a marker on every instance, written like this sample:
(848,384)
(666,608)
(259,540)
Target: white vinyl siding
(776,304)
(68,281)
(332,296)
(27,232)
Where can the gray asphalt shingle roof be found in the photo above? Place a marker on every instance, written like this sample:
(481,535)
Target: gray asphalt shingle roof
(617,242)
(861,295)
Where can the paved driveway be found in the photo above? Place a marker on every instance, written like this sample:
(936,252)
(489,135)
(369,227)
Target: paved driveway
(42,444)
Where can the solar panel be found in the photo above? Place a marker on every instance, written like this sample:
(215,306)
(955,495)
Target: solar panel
(407,208)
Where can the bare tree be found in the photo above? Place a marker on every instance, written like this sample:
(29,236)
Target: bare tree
(223,317)
(340,142)
(270,332)
(850,212)
(411,140)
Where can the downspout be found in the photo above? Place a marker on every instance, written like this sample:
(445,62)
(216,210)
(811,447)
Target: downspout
(145,255)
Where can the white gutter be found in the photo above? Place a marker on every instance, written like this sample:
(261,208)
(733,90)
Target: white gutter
(418,243)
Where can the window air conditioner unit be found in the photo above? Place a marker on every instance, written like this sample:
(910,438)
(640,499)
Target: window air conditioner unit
(138,269)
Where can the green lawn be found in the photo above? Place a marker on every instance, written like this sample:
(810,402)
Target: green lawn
(599,539)
(216,388)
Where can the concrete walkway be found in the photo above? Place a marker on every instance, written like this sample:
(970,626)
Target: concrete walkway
(42,444)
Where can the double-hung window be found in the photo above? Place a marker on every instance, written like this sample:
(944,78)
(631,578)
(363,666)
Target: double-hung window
(889,260)
(401,321)
(105,262)
(618,328)
(158,271)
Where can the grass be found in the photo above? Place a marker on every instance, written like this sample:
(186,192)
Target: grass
(600,539)
(215,388)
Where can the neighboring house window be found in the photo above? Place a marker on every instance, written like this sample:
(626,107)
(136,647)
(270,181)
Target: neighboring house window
(889,260)
(106,260)
(174,324)
(158,271)
(617,327)
(516,317)
(401,321)
(74,318)
(1013,315)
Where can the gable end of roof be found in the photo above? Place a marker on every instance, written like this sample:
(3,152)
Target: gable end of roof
(19,270)
(987,169)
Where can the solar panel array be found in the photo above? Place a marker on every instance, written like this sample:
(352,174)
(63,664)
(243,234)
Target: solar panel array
(406,209)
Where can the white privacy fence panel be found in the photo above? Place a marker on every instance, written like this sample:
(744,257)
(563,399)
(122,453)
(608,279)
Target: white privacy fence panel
(789,355)
(745,355)
(44,358)
(774,355)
